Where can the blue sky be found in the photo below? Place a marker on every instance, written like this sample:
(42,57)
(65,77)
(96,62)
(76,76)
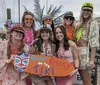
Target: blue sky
(73,5)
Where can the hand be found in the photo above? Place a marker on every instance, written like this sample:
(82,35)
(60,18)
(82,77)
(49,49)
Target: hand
(74,72)
(8,61)
(91,65)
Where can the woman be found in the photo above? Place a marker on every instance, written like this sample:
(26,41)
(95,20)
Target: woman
(48,20)
(43,46)
(15,46)
(68,23)
(87,37)
(28,26)
(30,33)
(66,49)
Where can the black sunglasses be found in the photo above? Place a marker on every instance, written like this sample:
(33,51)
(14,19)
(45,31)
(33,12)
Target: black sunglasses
(87,10)
(19,32)
(69,17)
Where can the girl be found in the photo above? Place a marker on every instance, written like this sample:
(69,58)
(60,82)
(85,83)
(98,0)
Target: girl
(15,45)
(28,26)
(87,37)
(68,23)
(43,46)
(66,49)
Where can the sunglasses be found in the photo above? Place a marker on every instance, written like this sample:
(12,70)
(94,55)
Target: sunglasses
(69,17)
(47,19)
(87,10)
(19,32)
(28,19)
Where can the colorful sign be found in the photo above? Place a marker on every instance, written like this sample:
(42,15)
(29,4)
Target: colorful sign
(43,65)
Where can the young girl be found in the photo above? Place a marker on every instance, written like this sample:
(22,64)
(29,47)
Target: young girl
(67,50)
(15,45)
(43,46)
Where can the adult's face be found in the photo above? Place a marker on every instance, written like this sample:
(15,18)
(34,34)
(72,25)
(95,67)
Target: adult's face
(17,35)
(59,34)
(45,35)
(47,21)
(86,13)
(28,20)
(68,20)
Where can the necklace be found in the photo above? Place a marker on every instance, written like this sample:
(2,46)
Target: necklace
(15,49)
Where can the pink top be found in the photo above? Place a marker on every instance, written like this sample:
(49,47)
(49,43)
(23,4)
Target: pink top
(29,36)
(65,54)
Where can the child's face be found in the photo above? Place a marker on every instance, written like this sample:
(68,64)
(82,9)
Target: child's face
(17,35)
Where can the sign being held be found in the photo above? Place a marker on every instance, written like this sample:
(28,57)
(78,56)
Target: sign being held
(43,65)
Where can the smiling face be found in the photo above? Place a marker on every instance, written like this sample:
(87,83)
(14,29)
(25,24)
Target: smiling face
(45,35)
(17,35)
(28,20)
(68,20)
(59,34)
(86,13)
(47,21)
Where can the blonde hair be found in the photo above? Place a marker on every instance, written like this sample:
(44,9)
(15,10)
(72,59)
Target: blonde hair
(86,25)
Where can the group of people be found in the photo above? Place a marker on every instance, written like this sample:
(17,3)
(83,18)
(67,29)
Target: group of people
(72,41)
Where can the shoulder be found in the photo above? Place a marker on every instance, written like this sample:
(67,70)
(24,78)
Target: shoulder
(77,23)
(72,44)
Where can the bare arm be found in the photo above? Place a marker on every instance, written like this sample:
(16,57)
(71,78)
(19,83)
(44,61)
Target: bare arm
(74,52)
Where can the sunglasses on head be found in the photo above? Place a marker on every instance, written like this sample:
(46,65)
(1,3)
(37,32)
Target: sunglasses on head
(19,32)
(69,17)
(48,19)
(28,19)
(87,10)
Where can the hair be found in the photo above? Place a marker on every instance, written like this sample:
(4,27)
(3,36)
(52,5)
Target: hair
(82,20)
(66,44)
(9,46)
(39,42)
(52,26)
(23,17)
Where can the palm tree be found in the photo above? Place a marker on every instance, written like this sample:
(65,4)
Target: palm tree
(38,11)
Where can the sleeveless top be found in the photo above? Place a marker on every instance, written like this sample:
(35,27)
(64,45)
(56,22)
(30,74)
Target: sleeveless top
(65,54)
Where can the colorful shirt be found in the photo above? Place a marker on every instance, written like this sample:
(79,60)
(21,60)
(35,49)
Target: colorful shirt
(69,32)
(8,74)
(29,37)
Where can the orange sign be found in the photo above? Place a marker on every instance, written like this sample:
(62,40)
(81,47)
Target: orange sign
(48,66)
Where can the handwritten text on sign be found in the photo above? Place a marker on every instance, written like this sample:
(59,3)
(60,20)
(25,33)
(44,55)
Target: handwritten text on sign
(49,66)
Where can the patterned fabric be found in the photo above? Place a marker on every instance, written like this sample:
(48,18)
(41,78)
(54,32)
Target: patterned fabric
(83,57)
(8,74)
(29,36)
(94,34)
(93,41)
